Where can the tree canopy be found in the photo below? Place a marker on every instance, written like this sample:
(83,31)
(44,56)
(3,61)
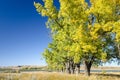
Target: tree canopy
(81,32)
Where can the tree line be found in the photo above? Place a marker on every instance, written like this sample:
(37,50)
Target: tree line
(83,32)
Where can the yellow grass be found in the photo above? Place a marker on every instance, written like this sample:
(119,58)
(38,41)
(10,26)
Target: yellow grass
(57,76)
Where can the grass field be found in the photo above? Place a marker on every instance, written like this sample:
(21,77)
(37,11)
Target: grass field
(57,76)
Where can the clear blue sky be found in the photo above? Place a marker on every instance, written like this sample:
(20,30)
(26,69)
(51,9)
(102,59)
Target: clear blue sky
(23,35)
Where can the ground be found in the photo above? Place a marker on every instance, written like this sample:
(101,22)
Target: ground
(58,76)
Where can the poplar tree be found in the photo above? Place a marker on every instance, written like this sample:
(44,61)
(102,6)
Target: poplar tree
(81,33)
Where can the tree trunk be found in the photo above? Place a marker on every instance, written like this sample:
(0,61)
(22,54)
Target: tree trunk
(67,68)
(71,70)
(87,67)
(119,49)
(62,69)
(72,67)
(77,68)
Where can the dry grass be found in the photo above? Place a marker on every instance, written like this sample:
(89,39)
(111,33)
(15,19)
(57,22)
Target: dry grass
(57,76)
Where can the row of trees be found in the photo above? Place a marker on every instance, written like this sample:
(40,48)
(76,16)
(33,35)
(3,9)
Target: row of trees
(82,33)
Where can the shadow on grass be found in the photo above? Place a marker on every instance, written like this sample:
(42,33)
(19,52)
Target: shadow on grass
(109,74)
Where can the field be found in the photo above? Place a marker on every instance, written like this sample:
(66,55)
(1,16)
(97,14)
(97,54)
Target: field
(57,76)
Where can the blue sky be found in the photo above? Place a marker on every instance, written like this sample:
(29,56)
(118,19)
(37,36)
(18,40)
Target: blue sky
(23,35)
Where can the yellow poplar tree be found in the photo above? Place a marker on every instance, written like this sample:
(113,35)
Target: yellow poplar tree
(81,32)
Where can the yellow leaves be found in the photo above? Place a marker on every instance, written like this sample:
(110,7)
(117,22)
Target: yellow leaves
(94,31)
(67,48)
(94,35)
(74,21)
(104,56)
(89,48)
(48,4)
(88,12)
(76,58)
(63,3)
(86,48)
(75,48)
(78,34)
(54,16)
(60,36)
(116,26)
(64,6)
(48,9)
(108,26)
(38,6)
(101,7)
(118,37)
(43,12)
(72,8)
(99,29)
(117,30)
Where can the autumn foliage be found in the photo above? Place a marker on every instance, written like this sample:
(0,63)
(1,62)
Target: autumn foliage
(82,33)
